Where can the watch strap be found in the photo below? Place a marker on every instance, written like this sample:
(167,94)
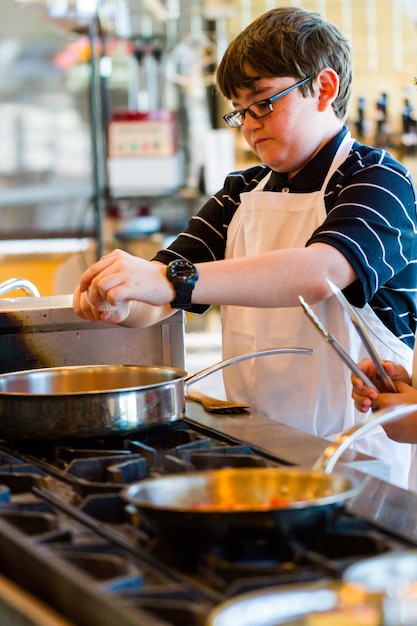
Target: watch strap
(182,299)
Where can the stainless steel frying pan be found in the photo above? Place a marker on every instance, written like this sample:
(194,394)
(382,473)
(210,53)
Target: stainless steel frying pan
(99,400)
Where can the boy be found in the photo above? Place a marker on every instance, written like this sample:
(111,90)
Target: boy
(320,205)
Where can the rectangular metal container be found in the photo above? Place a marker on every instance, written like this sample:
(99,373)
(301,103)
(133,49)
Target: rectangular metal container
(46,332)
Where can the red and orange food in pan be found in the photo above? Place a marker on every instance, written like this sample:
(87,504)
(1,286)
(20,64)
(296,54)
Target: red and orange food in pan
(274,502)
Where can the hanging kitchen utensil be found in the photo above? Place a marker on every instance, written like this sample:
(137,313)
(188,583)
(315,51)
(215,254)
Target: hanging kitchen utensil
(99,400)
(291,500)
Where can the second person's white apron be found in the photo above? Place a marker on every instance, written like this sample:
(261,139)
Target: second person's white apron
(311,393)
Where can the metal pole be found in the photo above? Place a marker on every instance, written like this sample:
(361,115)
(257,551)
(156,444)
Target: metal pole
(98,137)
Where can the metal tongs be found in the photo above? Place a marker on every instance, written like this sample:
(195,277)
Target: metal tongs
(360,327)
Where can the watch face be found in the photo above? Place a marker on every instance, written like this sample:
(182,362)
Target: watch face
(183,271)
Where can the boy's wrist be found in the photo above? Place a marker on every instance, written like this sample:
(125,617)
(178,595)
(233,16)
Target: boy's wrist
(182,275)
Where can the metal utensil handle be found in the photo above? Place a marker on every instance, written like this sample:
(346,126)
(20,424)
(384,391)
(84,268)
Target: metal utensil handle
(243,357)
(328,459)
(359,324)
(332,341)
(347,359)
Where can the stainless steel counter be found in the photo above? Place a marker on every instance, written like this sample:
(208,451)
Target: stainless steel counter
(292,446)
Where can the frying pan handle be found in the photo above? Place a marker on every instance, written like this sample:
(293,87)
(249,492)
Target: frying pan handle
(243,357)
(328,459)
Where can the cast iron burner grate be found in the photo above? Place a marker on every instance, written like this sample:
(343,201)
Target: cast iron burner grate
(104,465)
(241,563)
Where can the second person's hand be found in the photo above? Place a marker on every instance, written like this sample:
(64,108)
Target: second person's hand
(366,398)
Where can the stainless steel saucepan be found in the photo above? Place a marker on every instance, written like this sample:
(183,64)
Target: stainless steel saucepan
(99,400)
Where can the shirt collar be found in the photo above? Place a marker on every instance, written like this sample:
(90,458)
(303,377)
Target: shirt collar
(310,178)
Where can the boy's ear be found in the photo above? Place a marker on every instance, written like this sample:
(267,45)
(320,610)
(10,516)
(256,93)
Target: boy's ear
(328,87)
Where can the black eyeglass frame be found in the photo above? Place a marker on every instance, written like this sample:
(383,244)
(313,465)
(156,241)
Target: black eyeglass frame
(228,118)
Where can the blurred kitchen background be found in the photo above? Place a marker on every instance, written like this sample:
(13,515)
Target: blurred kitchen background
(111,132)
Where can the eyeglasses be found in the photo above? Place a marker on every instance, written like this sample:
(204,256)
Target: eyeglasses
(259,109)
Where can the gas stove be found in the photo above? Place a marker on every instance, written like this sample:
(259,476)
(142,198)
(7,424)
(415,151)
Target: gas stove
(70,540)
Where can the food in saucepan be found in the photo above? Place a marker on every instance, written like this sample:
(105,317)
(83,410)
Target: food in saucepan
(235,505)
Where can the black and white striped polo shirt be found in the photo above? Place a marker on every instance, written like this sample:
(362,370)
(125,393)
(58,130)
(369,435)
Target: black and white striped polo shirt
(371,219)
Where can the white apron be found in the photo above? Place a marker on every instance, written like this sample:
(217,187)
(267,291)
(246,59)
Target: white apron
(413,468)
(311,393)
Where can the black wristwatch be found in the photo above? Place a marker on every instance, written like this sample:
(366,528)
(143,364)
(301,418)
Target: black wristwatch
(183,275)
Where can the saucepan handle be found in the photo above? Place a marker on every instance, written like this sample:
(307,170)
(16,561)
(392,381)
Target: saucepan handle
(328,459)
(193,378)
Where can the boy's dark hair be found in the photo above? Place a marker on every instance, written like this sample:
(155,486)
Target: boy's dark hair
(287,42)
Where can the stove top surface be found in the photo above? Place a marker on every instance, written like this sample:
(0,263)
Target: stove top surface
(65,531)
